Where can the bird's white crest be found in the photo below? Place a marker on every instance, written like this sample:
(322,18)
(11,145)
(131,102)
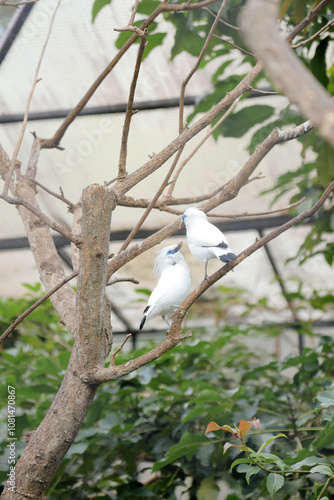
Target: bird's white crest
(167,256)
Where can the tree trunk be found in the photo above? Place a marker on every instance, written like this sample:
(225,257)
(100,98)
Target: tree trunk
(48,444)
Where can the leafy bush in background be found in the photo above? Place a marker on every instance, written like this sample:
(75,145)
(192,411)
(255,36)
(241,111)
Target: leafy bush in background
(156,419)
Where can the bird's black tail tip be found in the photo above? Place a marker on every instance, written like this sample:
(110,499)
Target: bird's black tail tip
(142,323)
(227,257)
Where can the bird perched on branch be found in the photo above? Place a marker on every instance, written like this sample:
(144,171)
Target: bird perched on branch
(205,240)
(173,285)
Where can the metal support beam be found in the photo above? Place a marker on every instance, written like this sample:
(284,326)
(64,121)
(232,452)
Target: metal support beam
(226,226)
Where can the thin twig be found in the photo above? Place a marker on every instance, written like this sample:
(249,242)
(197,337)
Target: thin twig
(120,280)
(221,20)
(112,361)
(26,112)
(266,92)
(58,196)
(244,214)
(133,14)
(207,135)
(225,40)
(260,214)
(129,111)
(199,59)
(307,19)
(313,36)
(52,224)
(152,203)
(162,7)
(35,305)
(174,337)
(16,4)
(47,295)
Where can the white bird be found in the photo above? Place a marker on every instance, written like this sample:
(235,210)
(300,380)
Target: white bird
(205,240)
(173,285)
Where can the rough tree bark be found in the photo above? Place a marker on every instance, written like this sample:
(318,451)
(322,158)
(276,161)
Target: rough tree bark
(48,444)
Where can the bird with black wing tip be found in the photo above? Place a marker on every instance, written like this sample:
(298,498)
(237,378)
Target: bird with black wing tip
(173,285)
(205,240)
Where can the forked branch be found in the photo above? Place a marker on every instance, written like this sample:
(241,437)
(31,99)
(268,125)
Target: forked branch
(174,336)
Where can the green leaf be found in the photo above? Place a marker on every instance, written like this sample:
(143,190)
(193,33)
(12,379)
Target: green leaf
(98,5)
(274,483)
(240,461)
(263,445)
(237,124)
(309,462)
(326,399)
(251,471)
(186,37)
(322,469)
(153,40)
(318,63)
(147,6)
(208,489)
(187,446)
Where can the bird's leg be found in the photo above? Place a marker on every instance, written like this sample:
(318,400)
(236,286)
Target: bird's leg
(165,320)
(206,276)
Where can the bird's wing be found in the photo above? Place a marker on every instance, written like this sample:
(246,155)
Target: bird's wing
(205,234)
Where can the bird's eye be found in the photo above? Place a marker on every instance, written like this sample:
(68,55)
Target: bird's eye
(170,252)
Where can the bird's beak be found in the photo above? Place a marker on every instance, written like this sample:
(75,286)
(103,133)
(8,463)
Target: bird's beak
(182,224)
(176,249)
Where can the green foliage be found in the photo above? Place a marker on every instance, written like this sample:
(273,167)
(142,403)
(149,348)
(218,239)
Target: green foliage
(97,6)
(155,418)
(190,31)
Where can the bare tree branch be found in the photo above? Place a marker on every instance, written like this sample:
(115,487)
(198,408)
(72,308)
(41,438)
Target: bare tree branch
(199,145)
(261,214)
(174,336)
(30,309)
(243,214)
(36,211)
(196,65)
(224,193)
(16,4)
(276,137)
(206,9)
(304,22)
(26,113)
(120,188)
(129,111)
(284,67)
(42,245)
(60,196)
(163,7)
(151,203)
(225,40)
(304,42)
(121,280)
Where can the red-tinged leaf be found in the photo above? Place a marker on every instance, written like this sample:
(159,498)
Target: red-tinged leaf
(244,427)
(212,426)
